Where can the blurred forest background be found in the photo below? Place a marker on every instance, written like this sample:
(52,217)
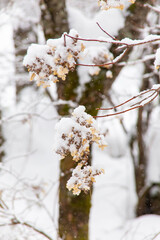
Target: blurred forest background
(34,201)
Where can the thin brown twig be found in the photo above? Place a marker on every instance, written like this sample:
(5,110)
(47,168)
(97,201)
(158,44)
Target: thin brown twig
(156,236)
(36,230)
(145,59)
(116,60)
(129,100)
(156,92)
(144,42)
(106,32)
(96,40)
(139,103)
(117,42)
(152,7)
(114,41)
(139,43)
(15,221)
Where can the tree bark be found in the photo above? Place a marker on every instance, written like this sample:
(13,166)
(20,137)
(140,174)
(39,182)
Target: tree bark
(146,202)
(23,36)
(54,18)
(74,211)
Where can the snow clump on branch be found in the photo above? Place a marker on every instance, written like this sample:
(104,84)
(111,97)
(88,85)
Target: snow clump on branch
(98,55)
(82,178)
(74,136)
(51,62)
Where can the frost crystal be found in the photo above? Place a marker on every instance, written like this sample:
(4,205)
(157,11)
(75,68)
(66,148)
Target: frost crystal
(51,62)
(74,136)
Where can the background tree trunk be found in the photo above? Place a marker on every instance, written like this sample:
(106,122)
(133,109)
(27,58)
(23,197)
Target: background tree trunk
(2,140)
(147,203)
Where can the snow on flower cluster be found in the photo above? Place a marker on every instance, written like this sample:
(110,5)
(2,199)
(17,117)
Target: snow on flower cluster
(82,178)
(98,55)
(51,62)
(107,4)
(74,136)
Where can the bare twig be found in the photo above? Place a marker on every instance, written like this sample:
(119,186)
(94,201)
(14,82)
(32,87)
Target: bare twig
(106,32)
(140,42)
(96,40)
(144,59)
(156,236)
(141,103)
(155,9)
(29,115)
(15,221)
(116,60)
(122,44)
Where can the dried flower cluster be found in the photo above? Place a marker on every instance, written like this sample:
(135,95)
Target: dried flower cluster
(74,136)
(82,178)
(51,62)
(98,55)
(107,4)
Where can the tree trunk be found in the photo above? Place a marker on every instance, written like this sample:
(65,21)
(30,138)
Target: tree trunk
(146,202)
(54,18)
(74,211)
(23,36)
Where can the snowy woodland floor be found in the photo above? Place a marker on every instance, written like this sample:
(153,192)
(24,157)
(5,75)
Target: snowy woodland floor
(31,167)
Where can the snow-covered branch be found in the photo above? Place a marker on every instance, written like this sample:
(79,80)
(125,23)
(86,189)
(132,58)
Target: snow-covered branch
(53,61)
(107,4)
(145,97)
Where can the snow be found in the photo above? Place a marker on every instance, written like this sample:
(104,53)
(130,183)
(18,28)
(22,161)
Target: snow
(113,197)
(152,138)
(145,227)
(115,191)
(148,38)
(20,233)
(157,59)
(24,14)
(82,178)
(78,20)
(47,63)
(156,86)
(7,84)
(87,28)
(74,134)
(31,168)
(109,4)
(32,161)
(97,55)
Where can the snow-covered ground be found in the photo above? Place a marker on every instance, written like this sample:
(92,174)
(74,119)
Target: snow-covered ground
(31,167)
